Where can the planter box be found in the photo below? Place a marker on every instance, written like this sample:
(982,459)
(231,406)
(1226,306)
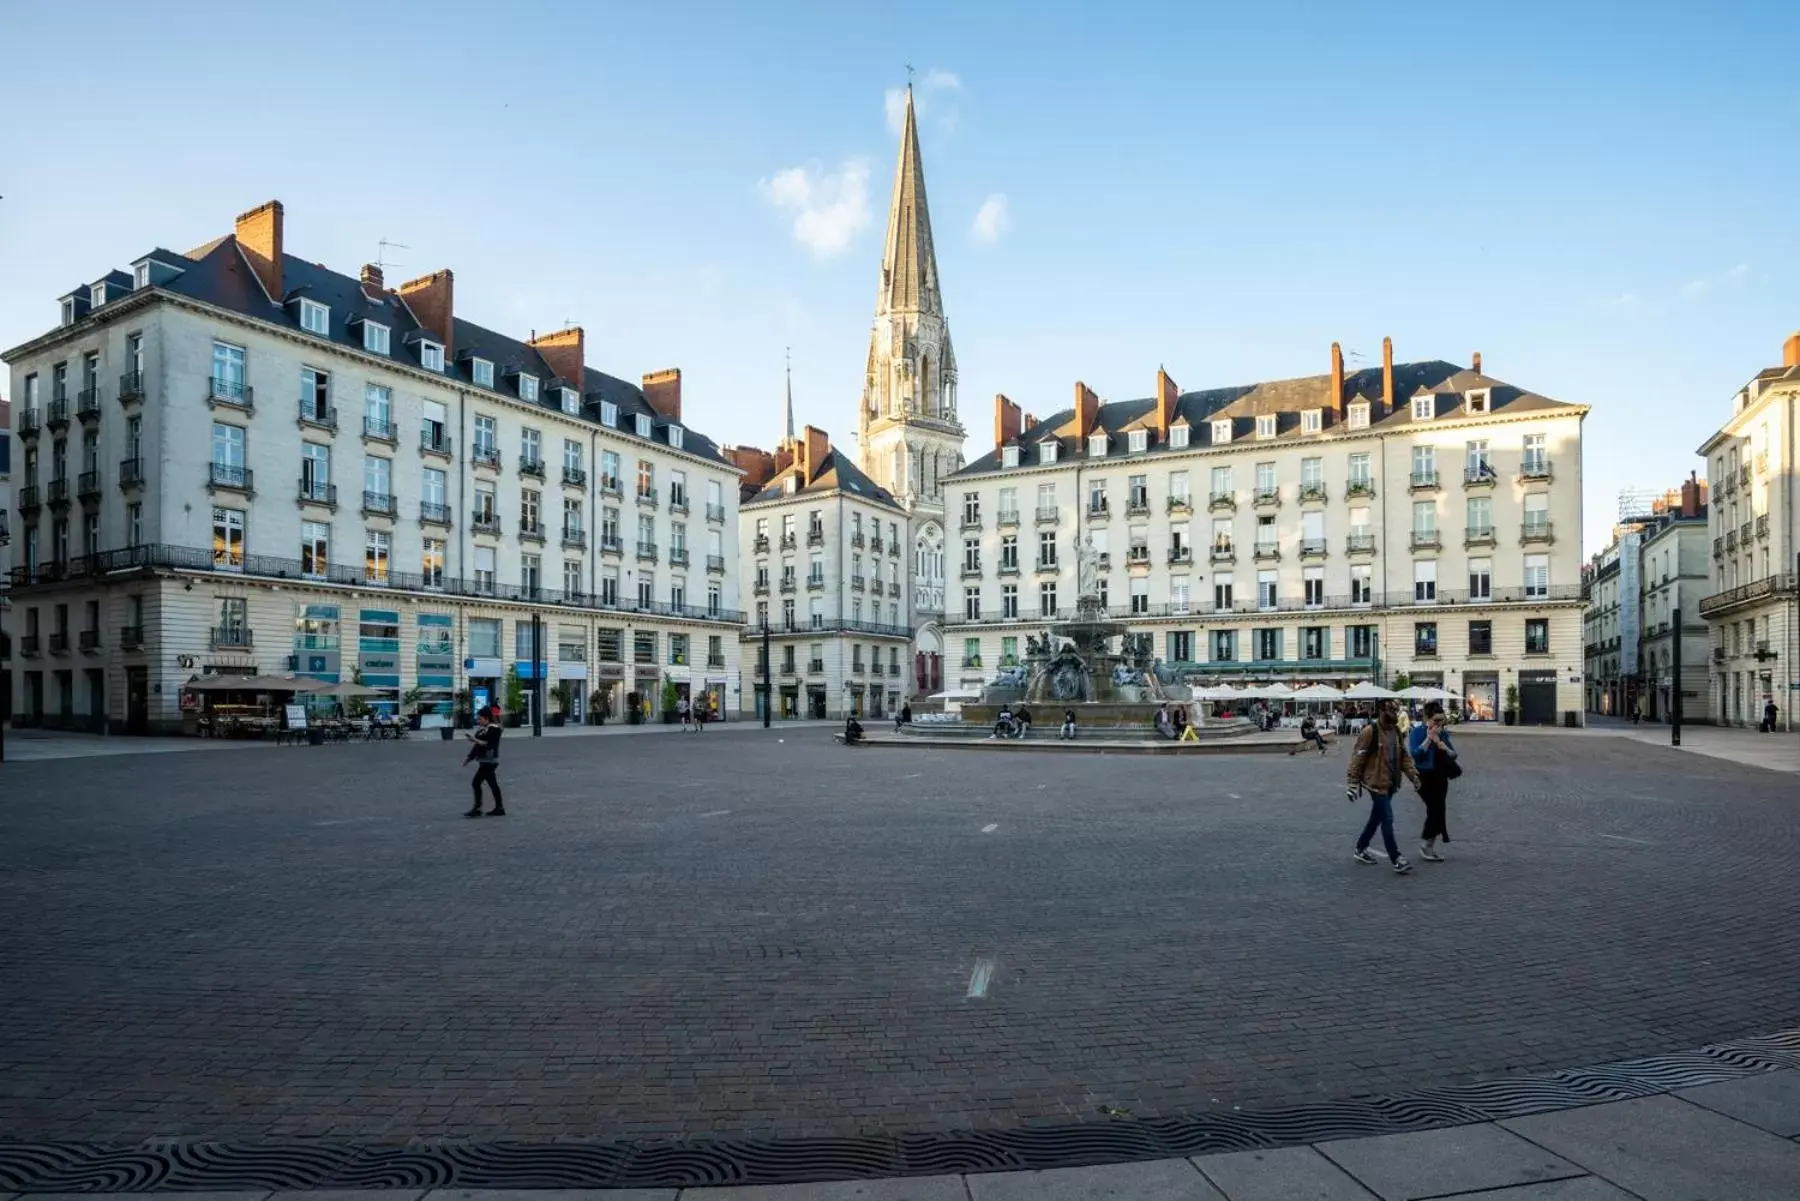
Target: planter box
(446,733)
(556,719)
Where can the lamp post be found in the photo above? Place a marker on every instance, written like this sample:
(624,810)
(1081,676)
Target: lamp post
(537,676)
(768,693)
(1675,691)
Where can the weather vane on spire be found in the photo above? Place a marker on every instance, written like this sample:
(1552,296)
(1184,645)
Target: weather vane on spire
(909,75)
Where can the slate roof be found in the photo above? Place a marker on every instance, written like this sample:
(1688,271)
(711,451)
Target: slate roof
(1285,400)
(838,474)
(217,274)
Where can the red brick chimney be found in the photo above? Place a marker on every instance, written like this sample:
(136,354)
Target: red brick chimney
(1335,401)
(372,282)
(430,297)
(1006,421)
(1475,364)
(1790,352)
(566,353)
(259,239)
(784,455)
(1028,424)
(1167,394)
(1087,410)
(815,444)
(663,390)
(1387,376)
(757,465)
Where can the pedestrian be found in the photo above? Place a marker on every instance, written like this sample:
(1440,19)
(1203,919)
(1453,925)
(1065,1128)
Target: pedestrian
(1068,726)
(682,711)
(1434,754)
(1378,761)
(485,754)
(1768,721)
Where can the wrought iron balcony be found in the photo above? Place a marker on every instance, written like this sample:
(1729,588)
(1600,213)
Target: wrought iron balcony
(1312,492)
(611,485)
(678,556)
(230,475)
(434,443)
(434,513)
(1267,552)
(1003,517)
(1423,481)
(715,564)
(1479,535)
(58,416)
(87,485)
(380,504)
(30,423)
(131,473)
(1479,475)
(575,539)
(1359,488)
(59,642)
(815,536)
(58,493)
(232,638)
(232,392)
(1536,531)
(815,583)
(483,522)
(611,544)
(678,501)
(715,514)
(1360,544)
(131,637)
(1312,548)
(1426,540)
(1180,555)
(131,386)
(533,467)
(574,477)
(858,583)
(1536,468)
(30,646)
(647,498)
(1222,500)
(30,499)
(484,456)
(531,529)
(312,492)
(1048,515)
(87,405)
(787,542)
(646,551)
(89,642)
(377,430)
(1267,498)
(1222,552)
(315,414)
(1138,506)
(760,544)
(1180,504)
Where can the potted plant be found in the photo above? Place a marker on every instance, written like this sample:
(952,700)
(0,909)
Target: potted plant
(597,708)
(411,706)
(1511,713)
(668,702)
(559,705)
(465,710)
(1401,681)
(513,692)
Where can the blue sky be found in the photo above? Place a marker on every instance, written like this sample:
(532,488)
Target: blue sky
(1599,198)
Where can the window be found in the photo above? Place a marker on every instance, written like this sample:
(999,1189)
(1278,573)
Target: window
(1046,501)
(1533,461)
(315,471)
(1222,599)
(482,372)
(1476,400)
(1265,532)
(377,549)
(134,524)
(1009,552)
(646,480)
(971,555)
(675,436)
(227,370)
(528,387)
(1359,474)
(1097,504)
(1424,407)
(1221,536)
(1009,456)
(1268,590)
(375,337)
(1537,513)
(1425,580)
(1360,642)
(1425,639)
(483,437)
(1537,636)
(1314,581)
(228,538)
(1476,461)
(315,549)
(431,356)
(1047,452)
(1315,642)
(1480,519)
(1046,549)
(609,414)
(1009,601)
(1312,473)
(1268,645)
(1424,519)
(140,276)
(1224,646)
(531,446)
(1047,598)
(1537,577)
(315,318)
(1312,421)
(1221,483)
(1481,637)
(1265,425)
(432,562)
(1362,584)
(572,517)
(1221,432)
(1358,415)
(1265,479)
(972,604)
(227,453)
(1138,441)
(571,404)
(1424,465)
(971,510)
(1178,437)
(431,485)
(1140,595)
(484,573)
(1137,492)
(378,410)
(644,425)
(1179,591)
(1481,579)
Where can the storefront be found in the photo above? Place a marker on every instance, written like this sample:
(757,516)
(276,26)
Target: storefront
(484,682)
(1481,696)
(608,696)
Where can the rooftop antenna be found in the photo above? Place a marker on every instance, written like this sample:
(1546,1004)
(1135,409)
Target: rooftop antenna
(381,249)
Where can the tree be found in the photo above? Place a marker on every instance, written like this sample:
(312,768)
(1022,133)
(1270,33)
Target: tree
(1401,680)
(513,691)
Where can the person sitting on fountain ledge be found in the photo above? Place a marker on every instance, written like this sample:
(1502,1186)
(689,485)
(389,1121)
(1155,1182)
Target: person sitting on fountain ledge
(1003,724)
(1068,726)
(1165,725)
(1022,715)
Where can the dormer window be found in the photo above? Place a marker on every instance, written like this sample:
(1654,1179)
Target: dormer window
(1424,407)
(643,425)
(1476,400)
(1138,441)
(1312,421)
(482,372)
(1096,446)
(1178,437)
(609,414)
(431,356)
(375,337)
(1221,432)
(571,401)
(1265,426)
(528,387)
(675,436)
(97,295)
(1009,456)
(315,318)
(140,276)
(68,311)
(1047,452)
(1359,416)
(791,484)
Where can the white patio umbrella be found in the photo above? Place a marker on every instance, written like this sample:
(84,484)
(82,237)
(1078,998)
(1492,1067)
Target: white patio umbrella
(1416,692)
(1319,692)
(1367,691)
(1279,692)
(1439,694)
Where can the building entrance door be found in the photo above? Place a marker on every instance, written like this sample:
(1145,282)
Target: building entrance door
(1537,698)
(137,700)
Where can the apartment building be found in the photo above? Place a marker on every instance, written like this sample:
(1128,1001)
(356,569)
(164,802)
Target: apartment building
(1674,577)
(1753,611)
(235,460)
(824,554)
(1420,519)
(5,557)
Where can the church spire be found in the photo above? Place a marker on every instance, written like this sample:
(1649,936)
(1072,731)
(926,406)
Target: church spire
(909,279)
(790,396)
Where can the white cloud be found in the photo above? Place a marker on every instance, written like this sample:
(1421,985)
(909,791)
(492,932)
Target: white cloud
(830,207)
(992,219)
(934,83)
(1694,289)
(1628,300)
(1739,271)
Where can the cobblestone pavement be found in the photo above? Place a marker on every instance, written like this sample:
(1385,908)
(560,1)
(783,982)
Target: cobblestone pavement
(750,934)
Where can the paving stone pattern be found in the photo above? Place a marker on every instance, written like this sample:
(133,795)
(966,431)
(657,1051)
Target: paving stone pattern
(312,943)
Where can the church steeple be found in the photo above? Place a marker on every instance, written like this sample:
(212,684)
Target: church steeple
(790,398)
(909,279)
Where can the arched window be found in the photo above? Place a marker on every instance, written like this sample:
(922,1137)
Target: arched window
(927,387)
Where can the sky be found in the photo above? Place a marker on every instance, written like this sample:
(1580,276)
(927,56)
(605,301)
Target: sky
(1601,199)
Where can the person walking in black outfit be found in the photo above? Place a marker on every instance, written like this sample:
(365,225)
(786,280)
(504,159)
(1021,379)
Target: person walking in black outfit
(485,754)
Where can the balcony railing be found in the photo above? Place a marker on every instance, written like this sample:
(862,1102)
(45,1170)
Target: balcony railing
(815,667)
(893,588)
(1479,475)
(87,405)
(434,513)
(678,556)
(1423,480)
(646,551)
(1265,497)
(1267,551)
(90,642)
(1312,548)
(1138,506)
(715,514)
(1356,488)
(57,418)
(760,544)
(575,539)
(1535,469)
(1180,504)
(1360,544)
(233,392)
(1744,534)
(87,485)
(788,583)
(1098,510)
(648,498)
(30,646)
(1312,492)
(715,564)
(1007,517)
(379,504)
(857,583)
(1222,552)
(57,492)
(232,638)
(815,583)
(375,429)
(574,477)
(313,492)
(59,642)
(483,522)
(316,414)
(131,637)
(1179,555)
(1479,535)
(1730,539)
(484,456)
(131,473)
(533,467)
(1743,594)
(1049,565)
(1536,531)
(30,423)
(815,536)
(678,502)
(1762,525)
(30,498)
(611,485)
(230,475)
(531,529)
(131,386)
(969,522)
(1425,540)
(612,544)
(1048,515)
(439,444)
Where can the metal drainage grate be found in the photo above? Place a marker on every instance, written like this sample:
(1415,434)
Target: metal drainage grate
(175,1166)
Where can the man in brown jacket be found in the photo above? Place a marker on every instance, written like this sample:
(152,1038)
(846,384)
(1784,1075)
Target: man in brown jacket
(1377,762)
